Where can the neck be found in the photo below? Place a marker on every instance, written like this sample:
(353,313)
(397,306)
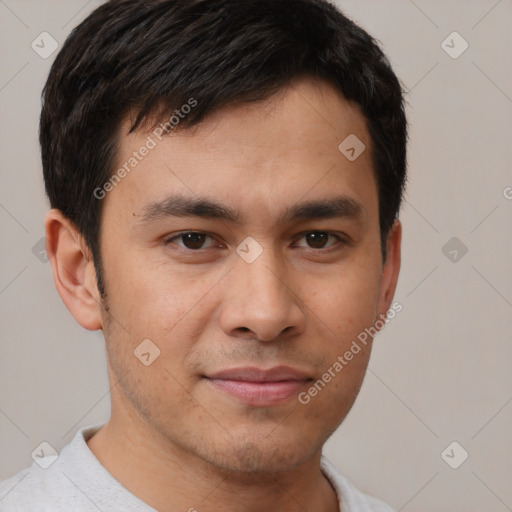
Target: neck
(168,478)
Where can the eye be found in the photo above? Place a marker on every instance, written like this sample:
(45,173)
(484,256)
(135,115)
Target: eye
(196,240)
(319,239)
(192,240)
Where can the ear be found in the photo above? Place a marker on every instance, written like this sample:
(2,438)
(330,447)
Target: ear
(391,269)
(73,270)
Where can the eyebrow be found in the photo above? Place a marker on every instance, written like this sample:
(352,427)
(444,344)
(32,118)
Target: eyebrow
(183,206)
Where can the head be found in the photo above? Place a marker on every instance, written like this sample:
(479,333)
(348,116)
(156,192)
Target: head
(172,131)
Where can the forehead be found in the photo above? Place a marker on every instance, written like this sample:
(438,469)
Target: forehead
(256,155)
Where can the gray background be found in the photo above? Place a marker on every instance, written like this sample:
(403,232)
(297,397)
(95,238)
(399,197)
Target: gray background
(440,371)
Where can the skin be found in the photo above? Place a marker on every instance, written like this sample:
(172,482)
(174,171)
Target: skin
(173,439)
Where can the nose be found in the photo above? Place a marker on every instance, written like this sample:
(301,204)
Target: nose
(262,300)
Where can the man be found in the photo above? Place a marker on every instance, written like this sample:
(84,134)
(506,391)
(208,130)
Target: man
(225,179)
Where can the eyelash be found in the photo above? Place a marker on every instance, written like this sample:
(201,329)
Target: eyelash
(340,240)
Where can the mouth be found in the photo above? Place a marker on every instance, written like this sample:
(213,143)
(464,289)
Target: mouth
(260,387)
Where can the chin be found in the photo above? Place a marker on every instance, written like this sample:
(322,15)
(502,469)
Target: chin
(265,457)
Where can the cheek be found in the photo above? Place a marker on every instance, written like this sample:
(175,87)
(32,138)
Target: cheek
(329,399)
(346,302)
(152,298)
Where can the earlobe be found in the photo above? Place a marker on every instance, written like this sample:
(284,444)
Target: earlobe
(391,268)
(73,270)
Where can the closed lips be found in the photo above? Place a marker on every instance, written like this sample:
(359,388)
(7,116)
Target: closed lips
(253,374)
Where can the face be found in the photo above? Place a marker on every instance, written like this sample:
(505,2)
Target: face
(247,250)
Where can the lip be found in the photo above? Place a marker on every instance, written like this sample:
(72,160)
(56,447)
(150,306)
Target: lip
(260,387)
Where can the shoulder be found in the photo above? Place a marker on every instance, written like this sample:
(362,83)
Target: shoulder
(48,485)
(351,499)
(32,489)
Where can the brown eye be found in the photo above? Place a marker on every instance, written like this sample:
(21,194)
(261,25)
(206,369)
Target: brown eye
(319,239)
(193,240)
(189,240)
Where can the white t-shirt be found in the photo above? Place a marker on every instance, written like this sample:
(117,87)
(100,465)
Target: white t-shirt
(77,482)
